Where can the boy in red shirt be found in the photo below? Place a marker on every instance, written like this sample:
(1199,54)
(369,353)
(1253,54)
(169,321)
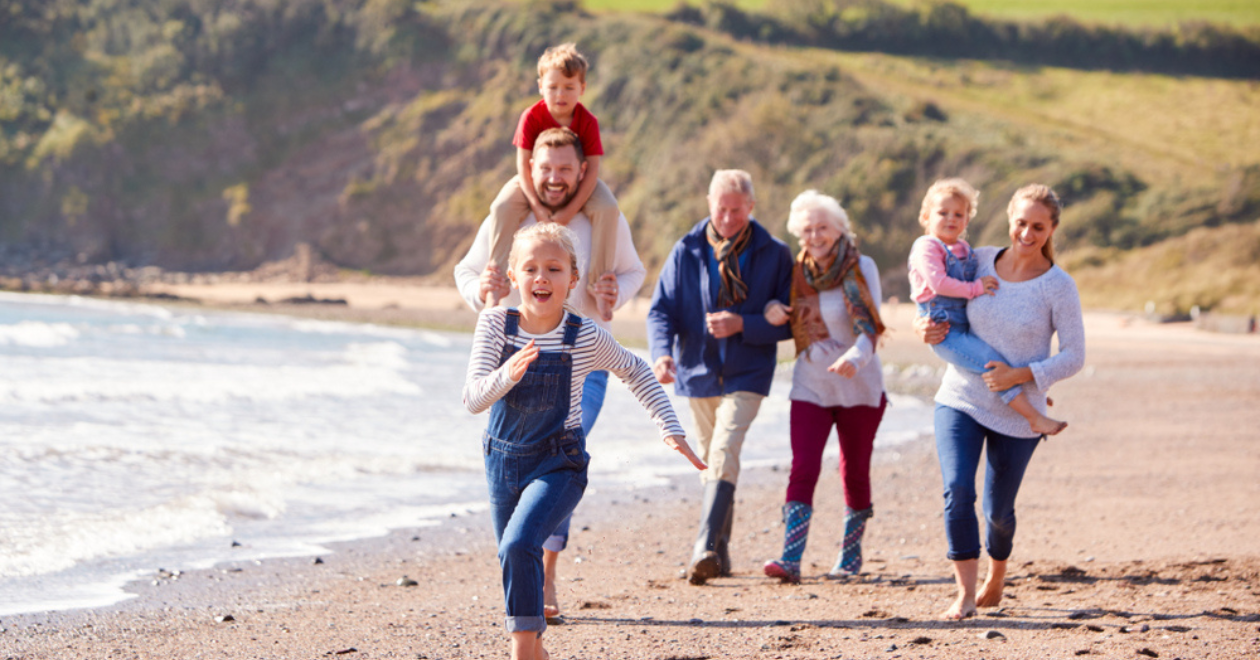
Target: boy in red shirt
(561,81)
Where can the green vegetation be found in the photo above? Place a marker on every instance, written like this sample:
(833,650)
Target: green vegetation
(1134,13)
(217,134)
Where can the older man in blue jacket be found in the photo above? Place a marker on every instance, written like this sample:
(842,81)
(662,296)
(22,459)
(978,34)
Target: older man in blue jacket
(709,336)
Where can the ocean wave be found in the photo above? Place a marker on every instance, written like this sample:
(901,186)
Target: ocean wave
(36,334)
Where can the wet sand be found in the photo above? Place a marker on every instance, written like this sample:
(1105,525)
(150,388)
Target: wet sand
(1139,536)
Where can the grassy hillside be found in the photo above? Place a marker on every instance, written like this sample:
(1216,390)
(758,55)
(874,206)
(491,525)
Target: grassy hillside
(379,133)
(1157,13)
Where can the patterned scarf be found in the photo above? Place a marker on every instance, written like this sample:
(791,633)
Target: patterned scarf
(727,250)
(809,279)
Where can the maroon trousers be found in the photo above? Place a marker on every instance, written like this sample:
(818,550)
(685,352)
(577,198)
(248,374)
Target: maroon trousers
(856,426)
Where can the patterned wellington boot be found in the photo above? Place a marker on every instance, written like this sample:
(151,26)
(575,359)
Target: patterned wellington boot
(849,562)
(796,531)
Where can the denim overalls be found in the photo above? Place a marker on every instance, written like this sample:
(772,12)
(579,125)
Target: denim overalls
(536,471)
(961,348)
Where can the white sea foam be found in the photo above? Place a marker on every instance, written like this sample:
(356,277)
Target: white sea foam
(37,335)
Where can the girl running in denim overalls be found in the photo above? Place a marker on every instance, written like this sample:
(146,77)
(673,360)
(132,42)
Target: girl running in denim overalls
(528,366)
(942,280)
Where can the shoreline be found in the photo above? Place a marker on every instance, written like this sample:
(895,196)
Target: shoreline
(1118,531)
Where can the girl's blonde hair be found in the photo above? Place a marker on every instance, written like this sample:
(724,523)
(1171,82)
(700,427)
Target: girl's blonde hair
(952,186)
(545,232)
(1045,196)
(812,201)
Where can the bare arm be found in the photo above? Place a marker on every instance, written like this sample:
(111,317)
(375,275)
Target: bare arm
(585,187)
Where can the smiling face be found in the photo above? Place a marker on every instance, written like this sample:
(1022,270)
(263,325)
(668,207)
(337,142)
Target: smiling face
(729,212)
(818,236)
(947,217)
(543,272)
(556,172)
(560,93)
(1032,227)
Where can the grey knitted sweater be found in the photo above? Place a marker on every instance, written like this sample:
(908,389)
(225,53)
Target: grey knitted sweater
(1019,322)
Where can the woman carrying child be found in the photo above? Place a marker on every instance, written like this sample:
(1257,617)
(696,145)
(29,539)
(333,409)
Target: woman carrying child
(528,366)
(942,280)
(837,380)
(1037,300)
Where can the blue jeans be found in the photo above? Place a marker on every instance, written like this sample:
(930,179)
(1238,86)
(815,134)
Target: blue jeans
(533,487)
(592,401)
(961,348)
(959,442)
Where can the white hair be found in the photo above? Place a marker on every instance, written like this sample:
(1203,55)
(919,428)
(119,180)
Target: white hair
(810,202)
(731,181)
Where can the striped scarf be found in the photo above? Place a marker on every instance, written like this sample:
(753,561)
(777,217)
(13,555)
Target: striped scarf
(808,279)
(727,250)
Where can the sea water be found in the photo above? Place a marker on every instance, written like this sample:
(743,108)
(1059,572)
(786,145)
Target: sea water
(134,436)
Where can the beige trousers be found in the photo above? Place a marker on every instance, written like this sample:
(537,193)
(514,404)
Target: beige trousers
(721,424)
(511,207)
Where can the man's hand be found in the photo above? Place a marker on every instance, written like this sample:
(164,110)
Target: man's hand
(929,331)
(494,286)
(777,313)
(723,324)
(990,284)
(843,367)
(520,361)
(665,370)
(679,444)
(606,288)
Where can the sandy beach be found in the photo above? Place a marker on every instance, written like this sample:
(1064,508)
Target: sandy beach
(1139,536)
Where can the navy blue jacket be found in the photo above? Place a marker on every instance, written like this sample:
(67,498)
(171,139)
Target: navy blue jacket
(684,293)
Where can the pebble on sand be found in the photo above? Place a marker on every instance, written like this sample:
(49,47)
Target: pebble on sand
(991,634)
(405,581)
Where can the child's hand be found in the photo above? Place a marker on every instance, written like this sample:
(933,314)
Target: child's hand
(541,213)
(990,284)
(520,361)
(777,313)
(679,444)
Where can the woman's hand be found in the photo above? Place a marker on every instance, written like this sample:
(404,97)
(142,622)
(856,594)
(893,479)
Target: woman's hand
(1003,377)
(777,313)
(843,367)
(679,444)
(929,331)
(520,361)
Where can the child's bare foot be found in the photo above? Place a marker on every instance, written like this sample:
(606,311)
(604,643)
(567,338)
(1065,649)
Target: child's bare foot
(990,594)
(963,608)
(1046,426)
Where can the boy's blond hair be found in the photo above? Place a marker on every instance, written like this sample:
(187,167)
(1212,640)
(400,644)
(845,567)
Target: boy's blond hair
(952,186)
(564,58)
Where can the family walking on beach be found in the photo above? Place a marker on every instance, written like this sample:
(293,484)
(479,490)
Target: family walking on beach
(728,293)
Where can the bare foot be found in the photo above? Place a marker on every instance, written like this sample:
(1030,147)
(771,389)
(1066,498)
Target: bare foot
(1046,426)
(962,608)
(990,594)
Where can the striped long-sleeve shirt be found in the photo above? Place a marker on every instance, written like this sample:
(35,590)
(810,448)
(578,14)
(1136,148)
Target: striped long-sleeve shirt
(594,349)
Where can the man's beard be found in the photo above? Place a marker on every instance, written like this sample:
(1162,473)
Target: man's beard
(568,197)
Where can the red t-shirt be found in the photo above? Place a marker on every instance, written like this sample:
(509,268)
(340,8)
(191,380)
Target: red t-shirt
(537,119)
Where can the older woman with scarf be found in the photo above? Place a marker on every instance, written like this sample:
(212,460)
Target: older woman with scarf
(837,380)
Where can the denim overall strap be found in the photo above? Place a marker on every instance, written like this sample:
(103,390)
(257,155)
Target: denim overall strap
(946,308)
(535,410)
(572,324)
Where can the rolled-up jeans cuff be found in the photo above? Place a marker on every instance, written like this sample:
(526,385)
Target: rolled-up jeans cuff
(524,624)
(556,543)
(962,556)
